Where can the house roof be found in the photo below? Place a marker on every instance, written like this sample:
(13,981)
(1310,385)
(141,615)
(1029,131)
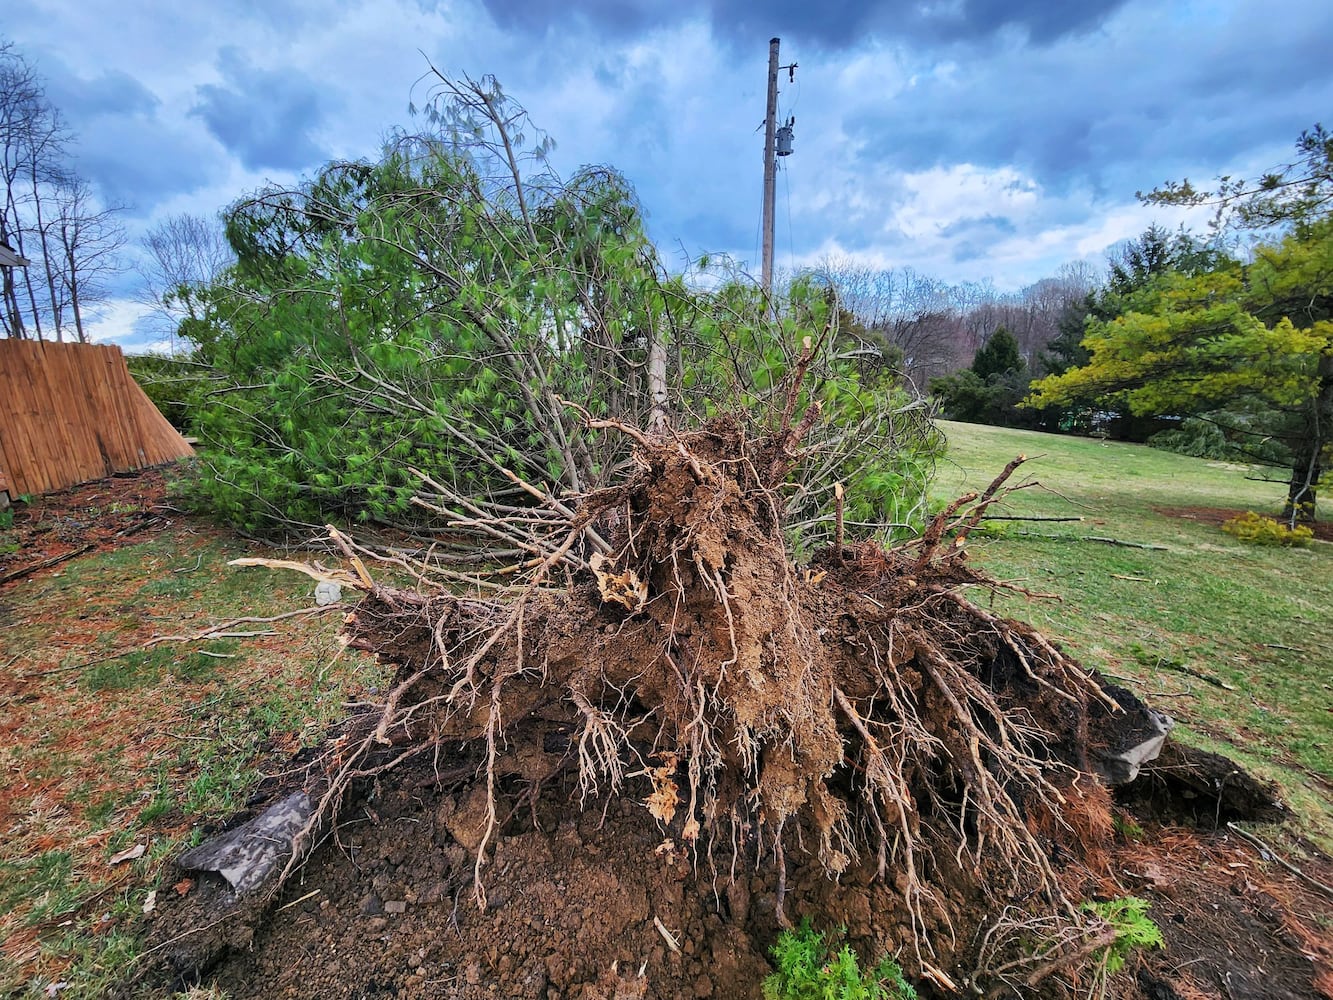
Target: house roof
(8,258)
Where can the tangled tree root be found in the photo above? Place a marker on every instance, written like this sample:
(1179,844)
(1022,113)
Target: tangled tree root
(860,711)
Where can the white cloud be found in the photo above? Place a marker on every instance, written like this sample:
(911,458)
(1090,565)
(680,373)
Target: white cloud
(120,321)
(935,199)
(998,159)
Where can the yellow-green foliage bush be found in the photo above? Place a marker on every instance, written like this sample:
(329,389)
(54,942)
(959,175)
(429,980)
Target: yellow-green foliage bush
(1259,530)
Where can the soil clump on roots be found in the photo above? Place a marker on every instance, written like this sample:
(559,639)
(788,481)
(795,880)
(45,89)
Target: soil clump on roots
(624,787)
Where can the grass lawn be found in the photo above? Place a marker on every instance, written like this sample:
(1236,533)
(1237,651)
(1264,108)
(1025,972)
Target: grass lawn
(1255,619)
(111,741)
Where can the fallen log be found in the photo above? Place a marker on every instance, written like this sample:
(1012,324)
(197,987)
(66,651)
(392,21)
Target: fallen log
(1124,544)
(23,571)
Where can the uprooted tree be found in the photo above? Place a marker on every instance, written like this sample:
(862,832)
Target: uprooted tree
(633,469)
(856,711)
(395,340)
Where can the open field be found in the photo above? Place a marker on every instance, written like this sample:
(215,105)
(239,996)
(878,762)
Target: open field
(1254,621)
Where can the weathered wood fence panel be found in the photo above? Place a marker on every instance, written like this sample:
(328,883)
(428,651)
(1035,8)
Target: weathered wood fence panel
(72,412)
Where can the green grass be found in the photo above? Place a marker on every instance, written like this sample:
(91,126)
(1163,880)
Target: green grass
(145,667)
(169,568)
(125,740)
(1255,618)
(43,882)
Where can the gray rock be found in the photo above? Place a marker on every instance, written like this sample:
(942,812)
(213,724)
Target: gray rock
(1121,742)
(1125,766)
(327,592)
(244,856)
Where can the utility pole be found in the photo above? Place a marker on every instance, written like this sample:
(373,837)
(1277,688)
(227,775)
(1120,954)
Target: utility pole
(777,142)
(770,165)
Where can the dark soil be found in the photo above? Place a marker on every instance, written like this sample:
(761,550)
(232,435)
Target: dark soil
(1235,925)
(1323,530)
(92,517)
(1191,787)
(570,909)
(574,900)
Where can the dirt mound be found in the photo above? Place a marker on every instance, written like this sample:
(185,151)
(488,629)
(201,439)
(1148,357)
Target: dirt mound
(573,904)
(645,774)
(575,897)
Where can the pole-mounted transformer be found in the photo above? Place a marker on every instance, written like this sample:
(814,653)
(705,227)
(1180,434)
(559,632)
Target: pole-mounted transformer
(777,142)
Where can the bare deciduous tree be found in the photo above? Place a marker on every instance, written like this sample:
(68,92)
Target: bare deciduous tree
(21,106)
(183,254)
(904,310)
(938,327)
(88,239)
(49,214)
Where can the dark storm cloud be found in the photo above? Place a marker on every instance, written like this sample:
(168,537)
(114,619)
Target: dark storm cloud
(112,93)
(265,117)
(138,164)
(1092,113)
(619,18)
(1043,20)
(119,140)
(834,24)
(848,23)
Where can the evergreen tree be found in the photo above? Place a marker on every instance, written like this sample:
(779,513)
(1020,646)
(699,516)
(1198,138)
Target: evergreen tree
(989,391)
(1192,343)
(998,356)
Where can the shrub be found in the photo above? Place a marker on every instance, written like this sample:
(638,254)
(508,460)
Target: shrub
(809,968)
(1259,530)
(1128,917)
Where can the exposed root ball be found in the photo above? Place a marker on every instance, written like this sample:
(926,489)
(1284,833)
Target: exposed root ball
(858,712)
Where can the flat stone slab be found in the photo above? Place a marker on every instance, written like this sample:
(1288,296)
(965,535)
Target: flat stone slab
(245,855)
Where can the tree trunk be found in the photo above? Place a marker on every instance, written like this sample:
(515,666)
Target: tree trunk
(72,264)
(659,415)
(35,314)
(1308,462)
(48,262)
(13,315)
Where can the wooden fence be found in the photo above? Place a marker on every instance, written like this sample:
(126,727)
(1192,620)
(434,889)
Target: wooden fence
(72,412)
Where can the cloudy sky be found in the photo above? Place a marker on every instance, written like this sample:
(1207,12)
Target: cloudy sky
(969,139)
